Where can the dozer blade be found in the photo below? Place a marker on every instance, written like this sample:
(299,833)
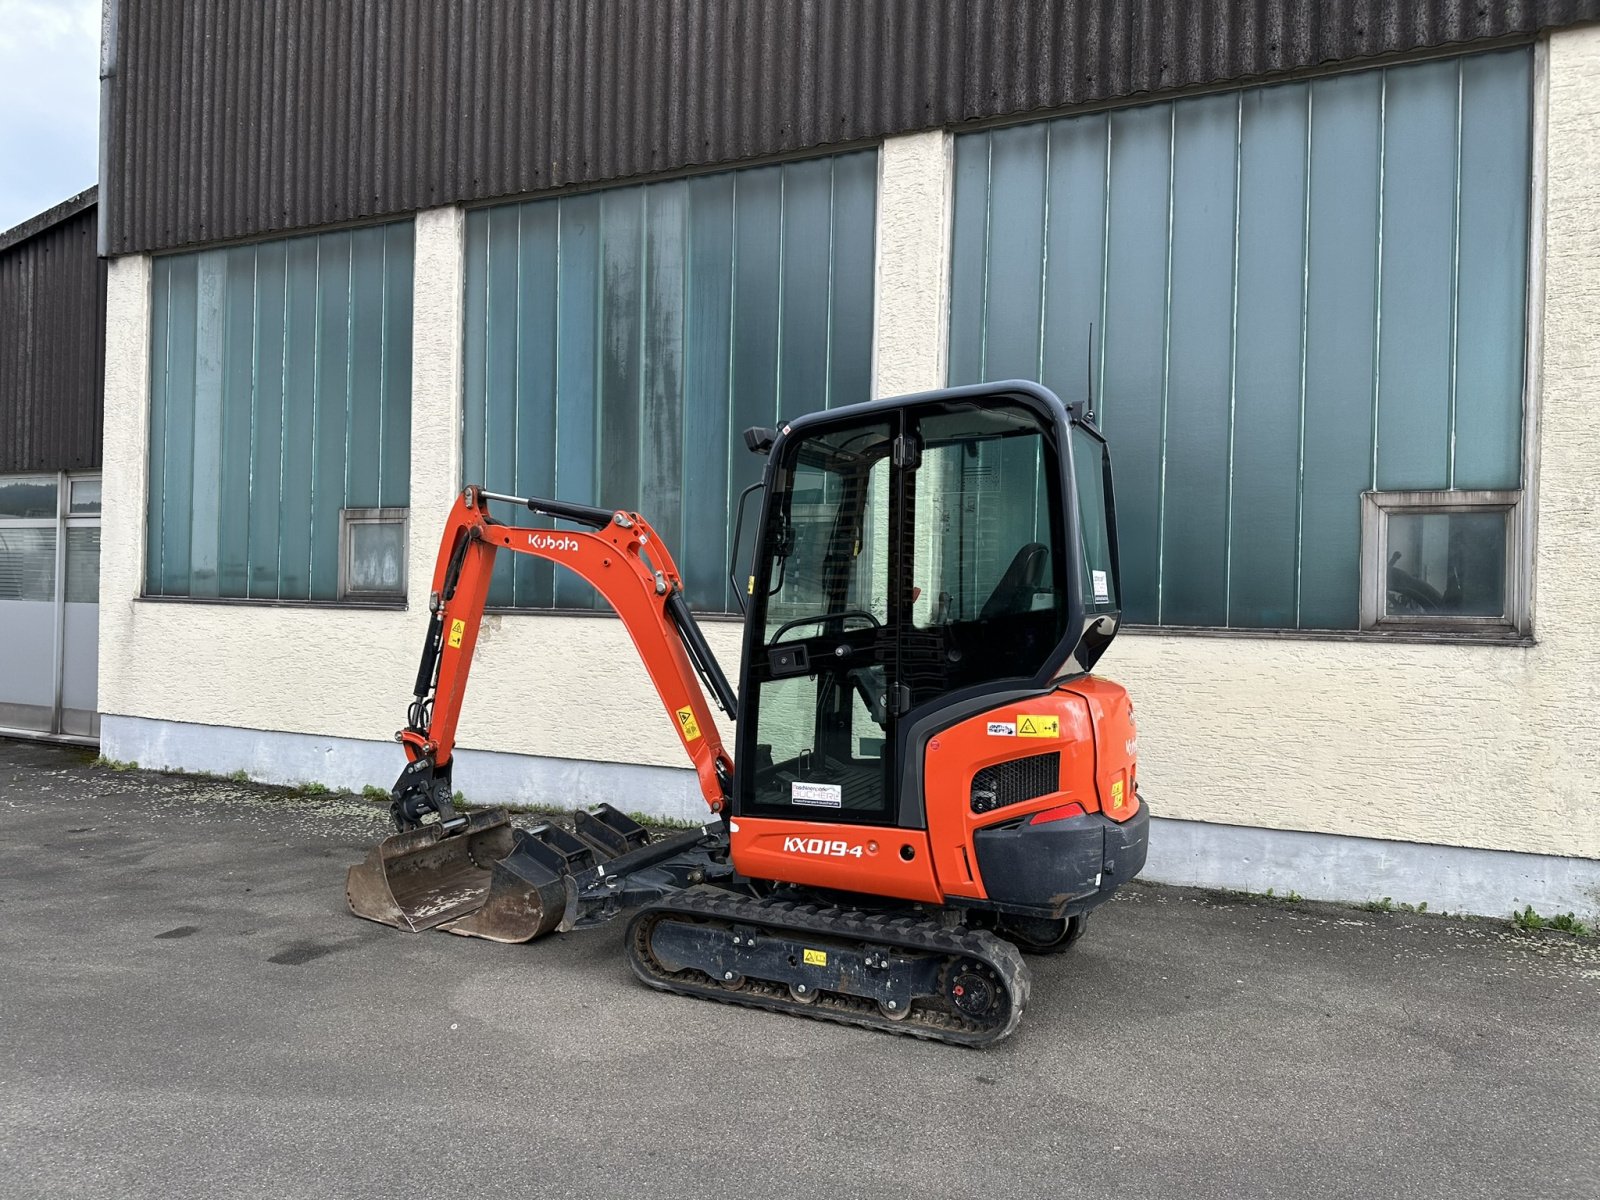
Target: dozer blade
(487,880)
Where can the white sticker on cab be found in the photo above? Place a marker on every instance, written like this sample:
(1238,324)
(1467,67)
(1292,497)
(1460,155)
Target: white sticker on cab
(1002,729)
(818,795)
(1102,589)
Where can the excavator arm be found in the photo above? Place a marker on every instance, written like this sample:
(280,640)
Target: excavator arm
(621,556)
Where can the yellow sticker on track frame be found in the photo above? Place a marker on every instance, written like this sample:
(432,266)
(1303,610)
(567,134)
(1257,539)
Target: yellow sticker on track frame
(1035,726)
(458,629)
(815,958)
(690,727)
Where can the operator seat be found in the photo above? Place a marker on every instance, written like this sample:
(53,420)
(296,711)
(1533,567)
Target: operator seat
(1024,579)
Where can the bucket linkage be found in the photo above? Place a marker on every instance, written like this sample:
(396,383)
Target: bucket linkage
(479,876)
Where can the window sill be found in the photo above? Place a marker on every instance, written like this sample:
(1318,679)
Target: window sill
(250,602)
(701,617)
(1414,637)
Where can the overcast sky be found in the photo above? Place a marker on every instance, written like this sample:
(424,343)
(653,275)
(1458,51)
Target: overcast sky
(49,103)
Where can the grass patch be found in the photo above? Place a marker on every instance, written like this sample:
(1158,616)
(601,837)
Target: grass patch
(652,822)
(113,764)
(376,794)
(314,789)
(1530,921)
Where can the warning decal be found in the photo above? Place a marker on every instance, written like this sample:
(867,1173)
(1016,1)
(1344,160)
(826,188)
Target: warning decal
(457,628)
(1033,725)
(816,958)
(1116,793)
(686,722)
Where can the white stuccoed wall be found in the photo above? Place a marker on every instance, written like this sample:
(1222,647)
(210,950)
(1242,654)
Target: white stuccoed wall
(1468,746)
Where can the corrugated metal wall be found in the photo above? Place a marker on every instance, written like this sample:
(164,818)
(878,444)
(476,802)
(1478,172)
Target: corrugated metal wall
(236,119)
(1295,293)
(52,348)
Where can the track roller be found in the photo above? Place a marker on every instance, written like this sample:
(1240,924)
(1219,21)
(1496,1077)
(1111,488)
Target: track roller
(899,974)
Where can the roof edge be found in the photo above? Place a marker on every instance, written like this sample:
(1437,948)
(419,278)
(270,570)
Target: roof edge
(36,225)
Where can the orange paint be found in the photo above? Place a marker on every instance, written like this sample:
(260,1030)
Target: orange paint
(1095,738)
(870,859)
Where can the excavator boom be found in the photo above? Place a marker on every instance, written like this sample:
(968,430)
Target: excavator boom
(473,873)
(620,555)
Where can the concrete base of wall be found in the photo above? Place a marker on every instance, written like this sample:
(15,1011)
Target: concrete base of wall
(485,777)
(1318,866)
(1322,866)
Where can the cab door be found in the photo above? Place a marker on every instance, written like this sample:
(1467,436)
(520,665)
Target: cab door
(819,695)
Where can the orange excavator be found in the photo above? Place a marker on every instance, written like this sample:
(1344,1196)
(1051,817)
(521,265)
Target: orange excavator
(928,779)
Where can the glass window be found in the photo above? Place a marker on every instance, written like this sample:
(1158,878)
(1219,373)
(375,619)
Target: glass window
(1446,564)
(29,499)
(1098,581)
(1279,297)
(819,694)
(835,538)
(374,560)
(989,596)
(83,564)
(85,497)
(27,562)
(642,329)
(1443,560)
(280,394)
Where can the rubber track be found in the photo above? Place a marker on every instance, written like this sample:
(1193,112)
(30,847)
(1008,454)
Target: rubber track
(941,1024)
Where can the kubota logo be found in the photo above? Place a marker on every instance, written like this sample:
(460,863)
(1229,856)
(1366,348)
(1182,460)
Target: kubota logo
(552,541)
(800,845)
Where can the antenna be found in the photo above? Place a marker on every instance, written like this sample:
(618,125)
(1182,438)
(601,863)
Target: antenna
(1090,406)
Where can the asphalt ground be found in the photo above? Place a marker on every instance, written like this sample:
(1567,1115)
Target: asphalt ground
(186,1009)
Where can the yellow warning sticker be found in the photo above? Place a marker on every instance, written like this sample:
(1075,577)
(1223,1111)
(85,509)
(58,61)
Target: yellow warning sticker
(690,727)
(816,958)
(1032,725)
(457,629)
(1116,793)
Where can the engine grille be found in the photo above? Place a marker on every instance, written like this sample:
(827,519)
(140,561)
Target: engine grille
(1013,782)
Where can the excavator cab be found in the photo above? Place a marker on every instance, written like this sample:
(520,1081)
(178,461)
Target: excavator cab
(928,779)
(918,558)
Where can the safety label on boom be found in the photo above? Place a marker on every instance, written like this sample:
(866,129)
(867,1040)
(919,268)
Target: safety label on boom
(1033,725)
(686,722)
(457,628)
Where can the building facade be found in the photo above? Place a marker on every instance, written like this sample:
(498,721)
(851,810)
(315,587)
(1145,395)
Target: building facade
(1324,272)
(52,366)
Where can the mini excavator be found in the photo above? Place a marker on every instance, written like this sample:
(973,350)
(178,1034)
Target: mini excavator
(928,781)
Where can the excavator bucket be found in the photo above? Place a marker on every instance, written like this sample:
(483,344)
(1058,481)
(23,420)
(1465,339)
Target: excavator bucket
(486,880)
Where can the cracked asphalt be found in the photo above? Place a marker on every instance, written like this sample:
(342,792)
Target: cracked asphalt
(186,1009)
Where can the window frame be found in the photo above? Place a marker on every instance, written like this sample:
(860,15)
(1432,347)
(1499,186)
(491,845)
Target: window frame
(349,518)
(1376,509)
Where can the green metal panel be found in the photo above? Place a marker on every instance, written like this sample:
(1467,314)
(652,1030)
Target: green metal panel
(266,436)
(280,394)
(1340,338)
(617,342)
(1268,351)
(1297,293)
